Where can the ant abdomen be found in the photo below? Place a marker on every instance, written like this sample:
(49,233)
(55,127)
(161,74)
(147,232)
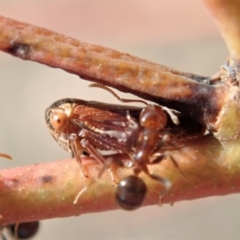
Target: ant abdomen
(130,193)
(24,230)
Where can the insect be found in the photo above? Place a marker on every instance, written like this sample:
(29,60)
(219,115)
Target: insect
(20,230)
(4,155)
(101,129)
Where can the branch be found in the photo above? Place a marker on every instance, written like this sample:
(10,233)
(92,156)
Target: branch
(48,190)
(148,80)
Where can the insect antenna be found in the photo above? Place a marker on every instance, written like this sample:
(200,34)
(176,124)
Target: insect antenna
(172,113)
(115,95)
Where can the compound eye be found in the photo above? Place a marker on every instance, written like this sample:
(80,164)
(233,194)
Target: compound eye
(153,116)
(58,120)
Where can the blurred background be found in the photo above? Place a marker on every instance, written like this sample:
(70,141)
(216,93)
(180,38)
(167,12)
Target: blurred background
(177,33)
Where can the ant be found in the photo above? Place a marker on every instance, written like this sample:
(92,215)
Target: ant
(19,231)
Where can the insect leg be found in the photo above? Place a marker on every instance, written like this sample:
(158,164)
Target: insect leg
(5,156)
(77,151)
(179,169)
(99,158)
(158,157)
(116,159)
(166,183)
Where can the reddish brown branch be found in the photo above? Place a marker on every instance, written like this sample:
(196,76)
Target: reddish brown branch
(48,190)
(152,81)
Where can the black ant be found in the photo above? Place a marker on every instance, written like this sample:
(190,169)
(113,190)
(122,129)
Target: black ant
(19,231)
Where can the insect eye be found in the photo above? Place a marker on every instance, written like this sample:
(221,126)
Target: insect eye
(58,120)
(153,117)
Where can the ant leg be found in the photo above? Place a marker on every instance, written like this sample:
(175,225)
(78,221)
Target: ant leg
(179,169)
(158,157)
(77,151)
(166,183)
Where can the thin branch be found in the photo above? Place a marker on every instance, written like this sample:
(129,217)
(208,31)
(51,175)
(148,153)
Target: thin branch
(48,190)
(148,80)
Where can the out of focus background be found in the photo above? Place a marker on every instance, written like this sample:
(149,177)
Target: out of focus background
(177,33)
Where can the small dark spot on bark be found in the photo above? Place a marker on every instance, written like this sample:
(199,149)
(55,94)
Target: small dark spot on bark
(11,182)
(46,179)
(19,49)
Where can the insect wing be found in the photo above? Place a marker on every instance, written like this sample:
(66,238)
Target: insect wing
(105,128)
(177,136)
